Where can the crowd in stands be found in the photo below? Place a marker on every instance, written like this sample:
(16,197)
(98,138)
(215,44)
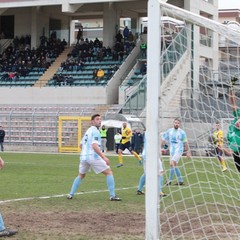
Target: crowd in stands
(87,51)
(19,59)
(63,80)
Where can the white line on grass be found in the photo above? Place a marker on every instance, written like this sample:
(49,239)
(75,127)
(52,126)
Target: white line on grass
(60,195)
(83,193)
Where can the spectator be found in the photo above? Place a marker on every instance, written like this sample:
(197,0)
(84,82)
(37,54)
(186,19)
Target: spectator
(143,48)
(64,43)
(137,141)
(125,33)
(53,36)
(80,33)
(119,37)
(100,74)
(2,136)
(130,37)
(111,71)
(69,80)
(143,69)
(117,140)
(103,133)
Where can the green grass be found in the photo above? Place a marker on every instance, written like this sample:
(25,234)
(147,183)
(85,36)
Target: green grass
(26,175)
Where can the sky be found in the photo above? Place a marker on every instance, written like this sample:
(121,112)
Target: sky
(229,4)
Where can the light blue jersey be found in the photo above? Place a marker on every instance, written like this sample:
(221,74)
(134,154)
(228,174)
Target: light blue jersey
(91,136)
(144,148)
(144,156)
(176,138)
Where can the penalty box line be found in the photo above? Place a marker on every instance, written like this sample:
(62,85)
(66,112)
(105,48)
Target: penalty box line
(61,195)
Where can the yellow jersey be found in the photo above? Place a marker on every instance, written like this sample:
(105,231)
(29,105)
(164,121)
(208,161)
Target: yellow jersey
(218,135)
(126,135)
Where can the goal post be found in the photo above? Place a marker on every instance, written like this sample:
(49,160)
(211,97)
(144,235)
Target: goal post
(70,133)
(152,120)
(191,62)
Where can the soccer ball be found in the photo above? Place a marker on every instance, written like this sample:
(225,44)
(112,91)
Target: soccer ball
(1,163)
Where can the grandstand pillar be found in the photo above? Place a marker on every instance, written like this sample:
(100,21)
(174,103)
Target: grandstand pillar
(72,32)
(134,26)
(193,6)
(110,21)
(35,27)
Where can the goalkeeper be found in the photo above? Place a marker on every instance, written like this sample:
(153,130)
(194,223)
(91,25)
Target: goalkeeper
(126,144)
(218,143)
(233,135)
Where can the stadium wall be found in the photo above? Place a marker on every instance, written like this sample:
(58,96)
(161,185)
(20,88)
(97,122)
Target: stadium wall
(52,95)
(35,22)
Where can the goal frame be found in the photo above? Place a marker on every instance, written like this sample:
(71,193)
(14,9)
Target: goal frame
(79,120)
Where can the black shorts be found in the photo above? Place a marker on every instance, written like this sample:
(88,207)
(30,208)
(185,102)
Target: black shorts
(125,145)
(219,152)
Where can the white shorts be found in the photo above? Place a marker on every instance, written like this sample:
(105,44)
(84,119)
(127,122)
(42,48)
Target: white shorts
(98,166)
(176,157)
(160,166)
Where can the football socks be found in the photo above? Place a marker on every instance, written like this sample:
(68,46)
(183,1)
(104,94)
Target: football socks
(76,183)
(111,185)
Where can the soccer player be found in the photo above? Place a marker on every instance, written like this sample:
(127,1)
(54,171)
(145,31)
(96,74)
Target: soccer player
(143,177)
(5,232)
(177,139)
(233,135)
(92,157)
(126,144)
(218,141)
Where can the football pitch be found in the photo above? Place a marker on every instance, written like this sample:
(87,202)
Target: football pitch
(34,188)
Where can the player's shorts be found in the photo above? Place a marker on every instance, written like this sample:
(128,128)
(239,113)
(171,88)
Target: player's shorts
(219,152)
(176,156)
(126,145)
(98,166)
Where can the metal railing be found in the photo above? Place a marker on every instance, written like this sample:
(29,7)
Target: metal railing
(136,101)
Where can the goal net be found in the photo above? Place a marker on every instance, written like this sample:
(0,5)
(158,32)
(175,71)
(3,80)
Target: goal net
(199,58)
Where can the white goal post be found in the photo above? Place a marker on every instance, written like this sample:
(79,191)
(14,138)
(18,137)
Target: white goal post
(197,92)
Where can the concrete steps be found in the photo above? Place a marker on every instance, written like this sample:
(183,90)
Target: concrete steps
(43,80)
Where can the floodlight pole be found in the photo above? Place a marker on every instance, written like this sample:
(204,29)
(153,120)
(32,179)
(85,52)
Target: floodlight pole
(152,124)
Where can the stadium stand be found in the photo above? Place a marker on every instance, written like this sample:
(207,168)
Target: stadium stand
(32,125)
(86,59)
(21,66)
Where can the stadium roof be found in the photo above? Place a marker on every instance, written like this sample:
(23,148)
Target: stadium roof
(130,8)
